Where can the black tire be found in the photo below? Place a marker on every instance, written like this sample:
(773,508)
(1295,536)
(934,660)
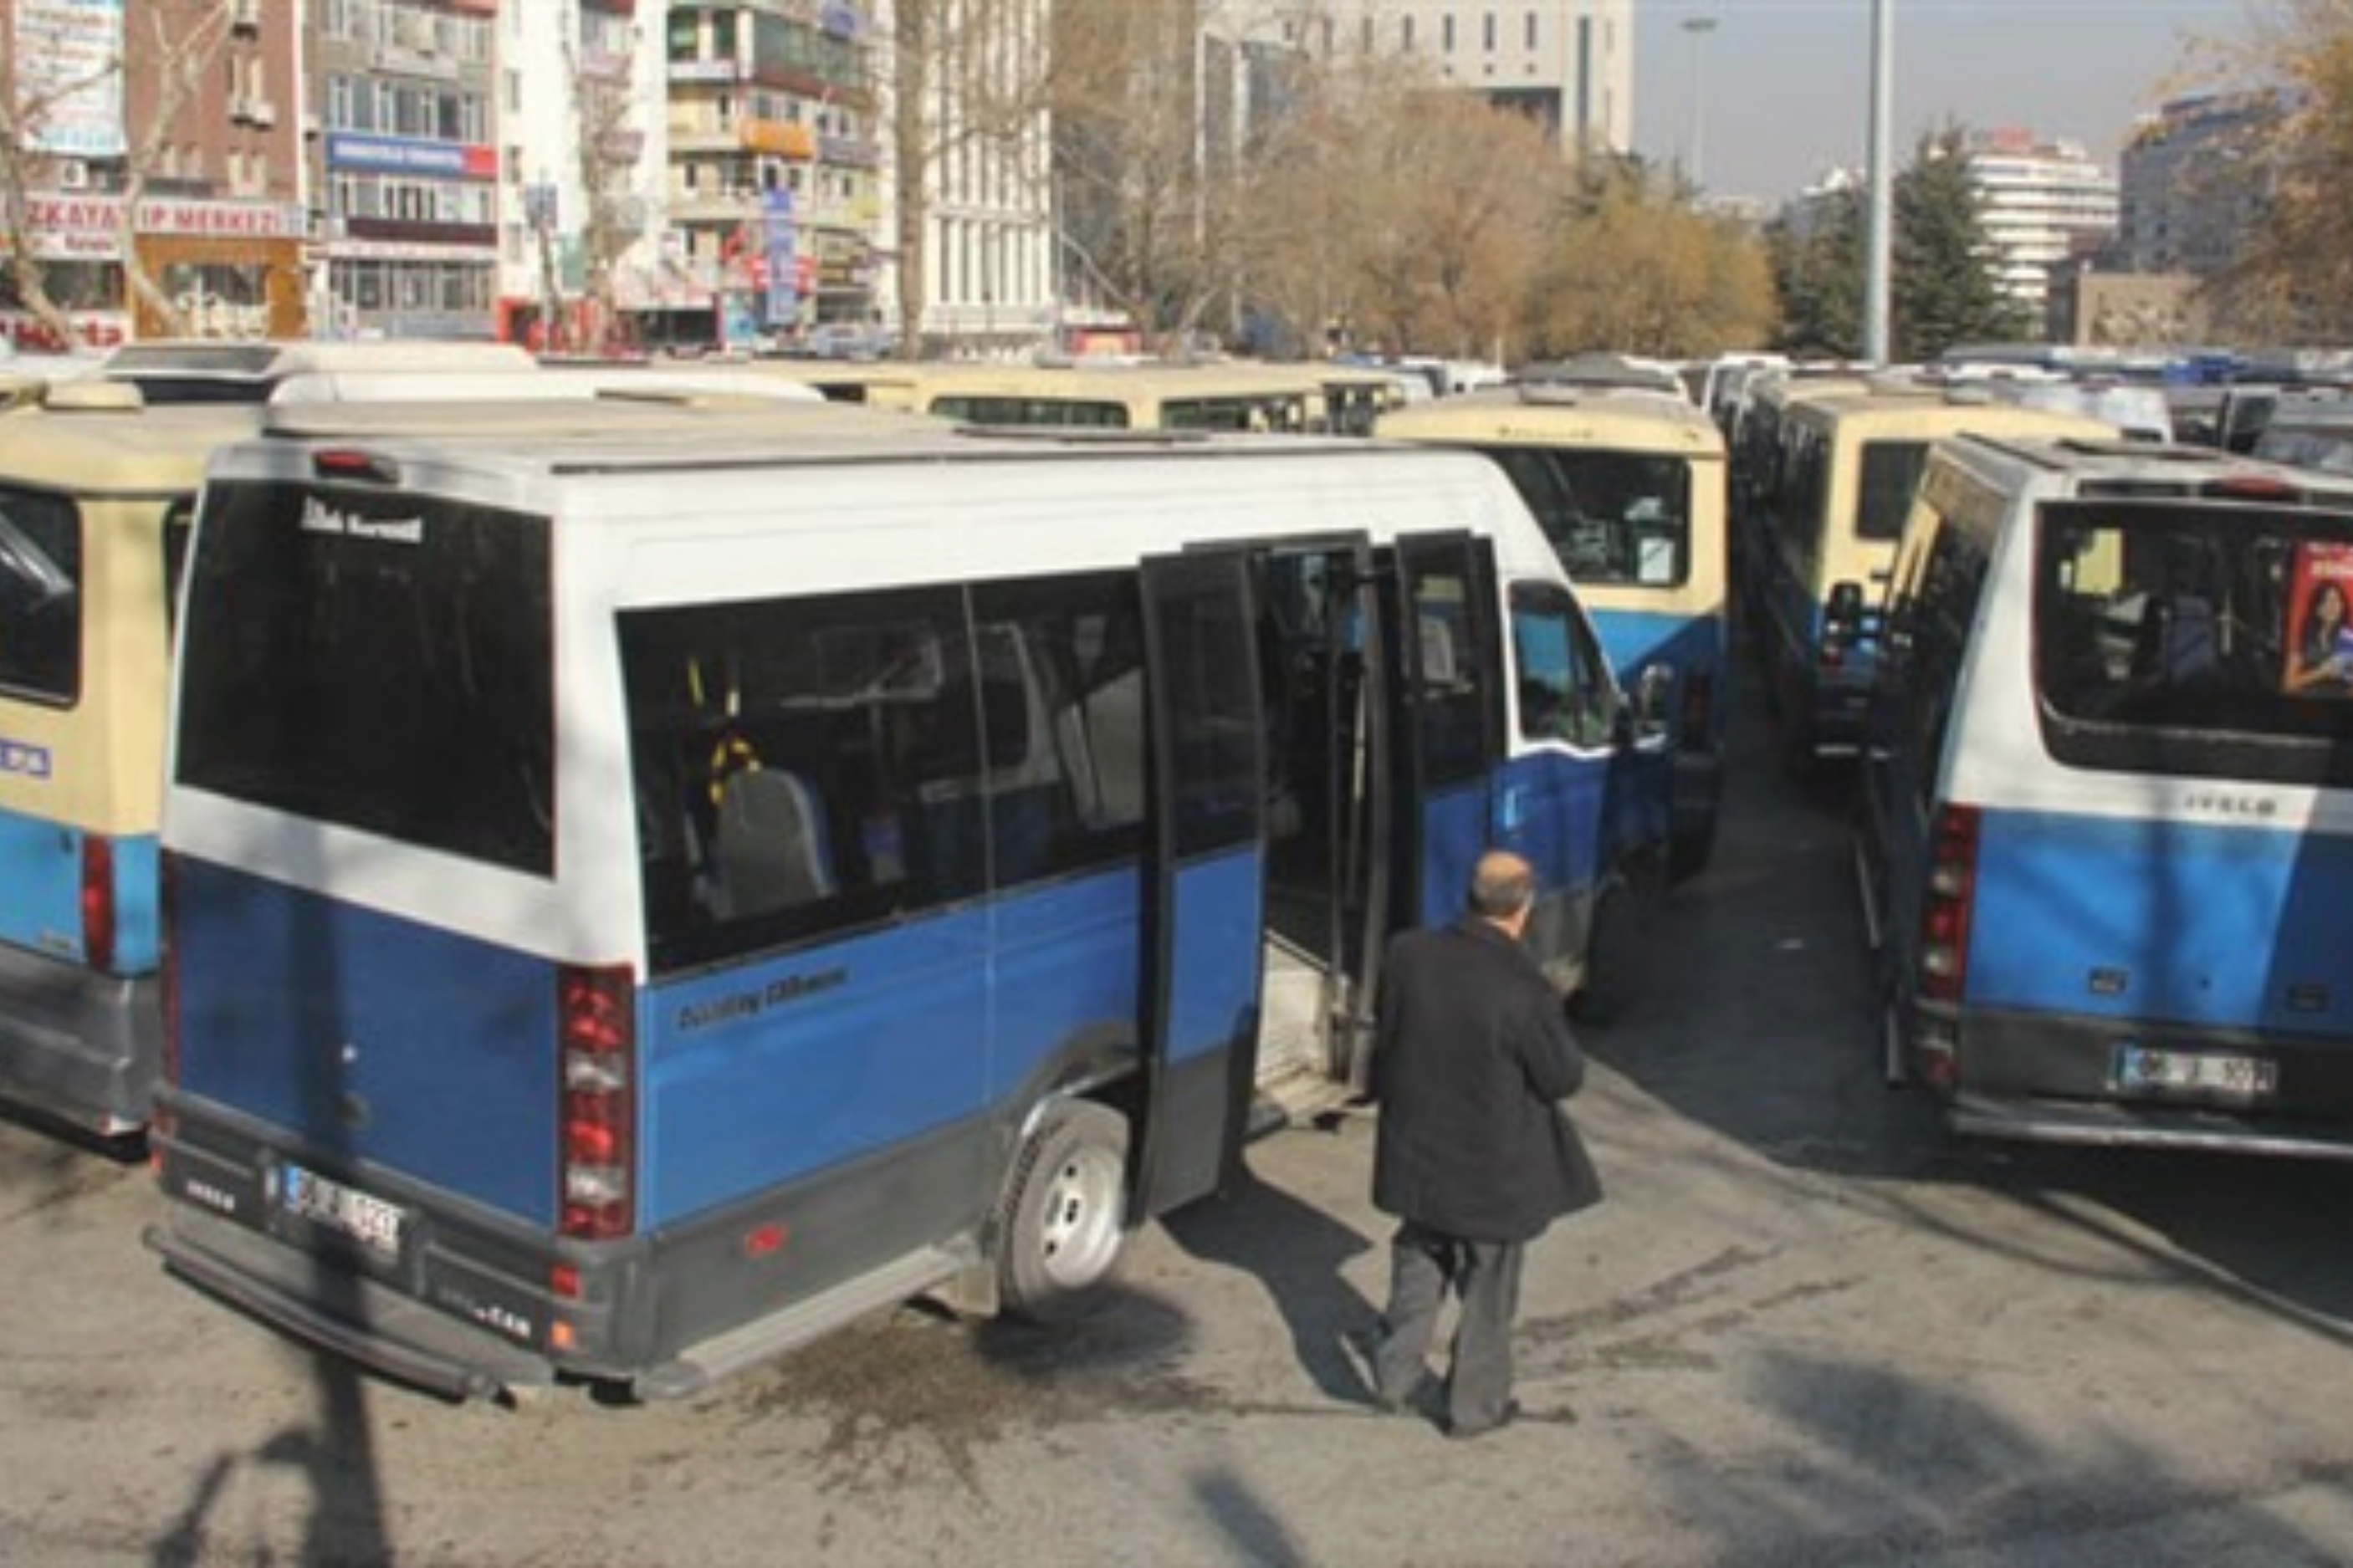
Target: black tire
(1062,1230)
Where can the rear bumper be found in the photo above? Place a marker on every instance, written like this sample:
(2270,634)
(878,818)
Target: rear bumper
(2054,1078)
(455,1309)
(2142,1127)
(346,1313)
(82,1045)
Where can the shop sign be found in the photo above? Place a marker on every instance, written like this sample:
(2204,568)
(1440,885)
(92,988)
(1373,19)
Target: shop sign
(68,55)
(70,224)
(400,155)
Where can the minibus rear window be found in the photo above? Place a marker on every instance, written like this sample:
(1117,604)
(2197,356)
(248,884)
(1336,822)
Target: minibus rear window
(40,597)
(377,660)
(1612,516)
(2197,638)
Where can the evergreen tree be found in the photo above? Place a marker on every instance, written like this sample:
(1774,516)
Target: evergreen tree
(1944,284)
(1817,269)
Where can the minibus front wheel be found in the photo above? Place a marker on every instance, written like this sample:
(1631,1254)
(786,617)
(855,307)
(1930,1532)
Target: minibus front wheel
(1063,1224)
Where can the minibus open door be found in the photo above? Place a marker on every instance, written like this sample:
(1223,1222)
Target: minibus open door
(1205,871)
(1446,720)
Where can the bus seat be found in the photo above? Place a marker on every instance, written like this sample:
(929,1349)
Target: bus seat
(770,850)
(1100,738)
(2181,643)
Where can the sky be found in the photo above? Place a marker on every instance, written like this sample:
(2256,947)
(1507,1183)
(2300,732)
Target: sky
(1786,83)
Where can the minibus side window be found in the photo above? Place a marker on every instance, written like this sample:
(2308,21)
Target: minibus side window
(1936,616)
(1564,686)
(806,766)
(1062,681)
(1890,473)
(40,597)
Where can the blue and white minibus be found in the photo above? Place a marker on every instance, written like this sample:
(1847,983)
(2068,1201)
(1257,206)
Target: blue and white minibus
(1629,486)
(97,489)
(646,890)
(96,495)
(2107,813)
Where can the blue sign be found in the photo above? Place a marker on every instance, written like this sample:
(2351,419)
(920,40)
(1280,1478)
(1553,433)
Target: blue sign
(778,242)
(24,757)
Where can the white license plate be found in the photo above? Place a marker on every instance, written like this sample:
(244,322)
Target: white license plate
(370,1221)
(2196,1072)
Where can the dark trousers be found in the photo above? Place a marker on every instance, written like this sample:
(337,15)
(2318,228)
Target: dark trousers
(1484,1278)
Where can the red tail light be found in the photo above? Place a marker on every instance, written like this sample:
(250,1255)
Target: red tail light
(97,902)
(1952,892)
(596,1041)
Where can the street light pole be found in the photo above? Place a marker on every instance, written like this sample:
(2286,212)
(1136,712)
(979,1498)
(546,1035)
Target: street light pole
(1699,27)
(1878,267)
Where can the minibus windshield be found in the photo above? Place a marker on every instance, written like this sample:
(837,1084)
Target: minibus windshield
(2197,638)
(1613,517)
(377,660)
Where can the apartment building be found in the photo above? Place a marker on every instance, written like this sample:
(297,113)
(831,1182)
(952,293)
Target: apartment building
(1567,63)
(190,121)
(2044,202)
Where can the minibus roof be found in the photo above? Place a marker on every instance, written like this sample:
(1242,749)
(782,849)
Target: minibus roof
(226,371)
(117,449)
(2116,466)
(604,436)
(617,380)
(1545,415)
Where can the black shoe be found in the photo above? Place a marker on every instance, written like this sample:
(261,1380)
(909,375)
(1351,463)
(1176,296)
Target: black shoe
(1511,1414)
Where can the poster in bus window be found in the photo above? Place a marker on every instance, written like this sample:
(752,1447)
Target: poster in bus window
(2319,630)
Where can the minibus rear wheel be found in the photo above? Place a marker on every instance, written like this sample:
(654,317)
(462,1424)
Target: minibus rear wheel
(1063,1226)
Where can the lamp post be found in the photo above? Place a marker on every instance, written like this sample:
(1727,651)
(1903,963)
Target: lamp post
(1878,292)
(1699,27)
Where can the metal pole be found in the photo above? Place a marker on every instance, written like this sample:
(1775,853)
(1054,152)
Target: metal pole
(1878,265)
(1699,27)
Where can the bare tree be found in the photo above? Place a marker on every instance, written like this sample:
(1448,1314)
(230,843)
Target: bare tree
(2292,277)
(1638,270)
(964,78)
(1148,172)
(1414,211)
(604,152)
(24,169)
(181,43)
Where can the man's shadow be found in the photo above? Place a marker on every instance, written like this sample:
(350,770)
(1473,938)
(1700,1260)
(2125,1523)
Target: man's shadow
(1297,1251)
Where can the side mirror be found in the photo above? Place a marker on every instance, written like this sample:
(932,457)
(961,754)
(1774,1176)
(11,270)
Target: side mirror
(1644,715)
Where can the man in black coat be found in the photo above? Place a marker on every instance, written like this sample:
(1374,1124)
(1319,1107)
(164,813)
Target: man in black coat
(1475,1154)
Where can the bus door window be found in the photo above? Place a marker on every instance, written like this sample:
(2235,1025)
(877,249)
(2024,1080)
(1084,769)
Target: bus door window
(1062,663)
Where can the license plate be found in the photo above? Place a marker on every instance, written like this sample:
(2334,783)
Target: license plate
(2194,1072)
(370,1221)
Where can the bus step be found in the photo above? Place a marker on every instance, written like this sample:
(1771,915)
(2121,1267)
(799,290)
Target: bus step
(1293,1099)
(698,1366)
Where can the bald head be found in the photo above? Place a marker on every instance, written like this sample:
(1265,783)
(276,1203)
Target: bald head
(1502,888)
